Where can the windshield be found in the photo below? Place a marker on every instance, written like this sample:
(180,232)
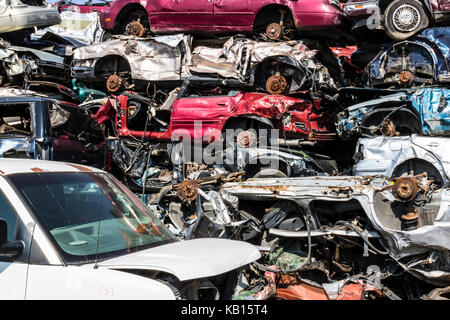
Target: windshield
(76,209)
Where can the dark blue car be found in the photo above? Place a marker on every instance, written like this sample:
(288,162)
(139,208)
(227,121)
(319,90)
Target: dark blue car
(421,60)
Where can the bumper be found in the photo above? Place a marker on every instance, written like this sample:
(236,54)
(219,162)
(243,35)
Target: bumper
(361,9)
(106,20)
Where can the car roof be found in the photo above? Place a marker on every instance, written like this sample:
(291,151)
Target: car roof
(13,166)
(23,98)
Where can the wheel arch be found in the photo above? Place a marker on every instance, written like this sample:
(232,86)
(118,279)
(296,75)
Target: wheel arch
(123,13)
(433,165)
(262,13)
(379,111)
(101,61)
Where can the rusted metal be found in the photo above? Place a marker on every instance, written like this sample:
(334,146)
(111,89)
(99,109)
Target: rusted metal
(188,190)
(246,139)
(80,168)
(405,188)
(136,29)
(438,294)
(406,78)
(276,84)
(387,128)
(114,83)
(274,31)
(37,170)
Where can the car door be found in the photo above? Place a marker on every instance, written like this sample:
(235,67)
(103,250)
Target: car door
(13,273)
(181,14)
(231,13)
(435,110)
(5,18)
(202,117)
(444,5)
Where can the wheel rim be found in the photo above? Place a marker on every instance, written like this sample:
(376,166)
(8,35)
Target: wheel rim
(274,31)
(406,18)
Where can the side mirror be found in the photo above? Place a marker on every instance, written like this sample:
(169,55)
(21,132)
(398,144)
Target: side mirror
(9,249)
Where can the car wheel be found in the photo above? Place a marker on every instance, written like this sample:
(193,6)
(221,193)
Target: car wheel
(404,18)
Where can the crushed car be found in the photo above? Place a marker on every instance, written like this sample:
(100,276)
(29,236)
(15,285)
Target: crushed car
(215,108)
(420,61)
(74,232)
(25,15)
(19,63)
(424,111)
(328,232)
(139,64)
(37,127)
(398,156)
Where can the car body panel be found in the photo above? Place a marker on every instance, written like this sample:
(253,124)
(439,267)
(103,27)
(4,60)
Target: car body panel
(191,259)
(430,105)
(224,15)
(382,155)
(21,16)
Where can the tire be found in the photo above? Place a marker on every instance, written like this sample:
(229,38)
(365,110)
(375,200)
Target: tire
(414,16)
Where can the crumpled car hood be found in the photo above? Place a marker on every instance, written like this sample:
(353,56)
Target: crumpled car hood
(191,259)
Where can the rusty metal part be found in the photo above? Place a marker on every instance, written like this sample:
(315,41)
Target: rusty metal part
(114,83)
(188,190)
(410,221)
(405,78)
(410,216)
(437,294)
(276,84)
(246,139)
(405,188)
(387,128)
(274,31)
(135,28)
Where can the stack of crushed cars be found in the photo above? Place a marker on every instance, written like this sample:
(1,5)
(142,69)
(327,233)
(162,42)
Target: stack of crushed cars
(328,153)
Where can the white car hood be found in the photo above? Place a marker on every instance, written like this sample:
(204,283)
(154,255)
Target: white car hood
(191,259)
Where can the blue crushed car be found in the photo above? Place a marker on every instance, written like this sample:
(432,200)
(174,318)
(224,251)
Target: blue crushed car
(423,111)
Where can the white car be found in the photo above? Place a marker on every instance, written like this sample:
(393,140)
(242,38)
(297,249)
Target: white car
(73,232)
(16,15)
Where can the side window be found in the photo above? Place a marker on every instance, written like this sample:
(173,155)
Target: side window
(8,214)
(16,119)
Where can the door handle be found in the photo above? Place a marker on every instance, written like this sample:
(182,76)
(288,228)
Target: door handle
(222,104)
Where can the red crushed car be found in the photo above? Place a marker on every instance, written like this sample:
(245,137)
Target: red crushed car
(206,117)
(276,18)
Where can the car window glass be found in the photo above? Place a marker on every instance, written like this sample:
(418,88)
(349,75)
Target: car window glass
(8,214)
(79,209)
(15,119)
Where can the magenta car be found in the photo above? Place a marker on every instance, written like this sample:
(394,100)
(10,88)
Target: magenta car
(278,19)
